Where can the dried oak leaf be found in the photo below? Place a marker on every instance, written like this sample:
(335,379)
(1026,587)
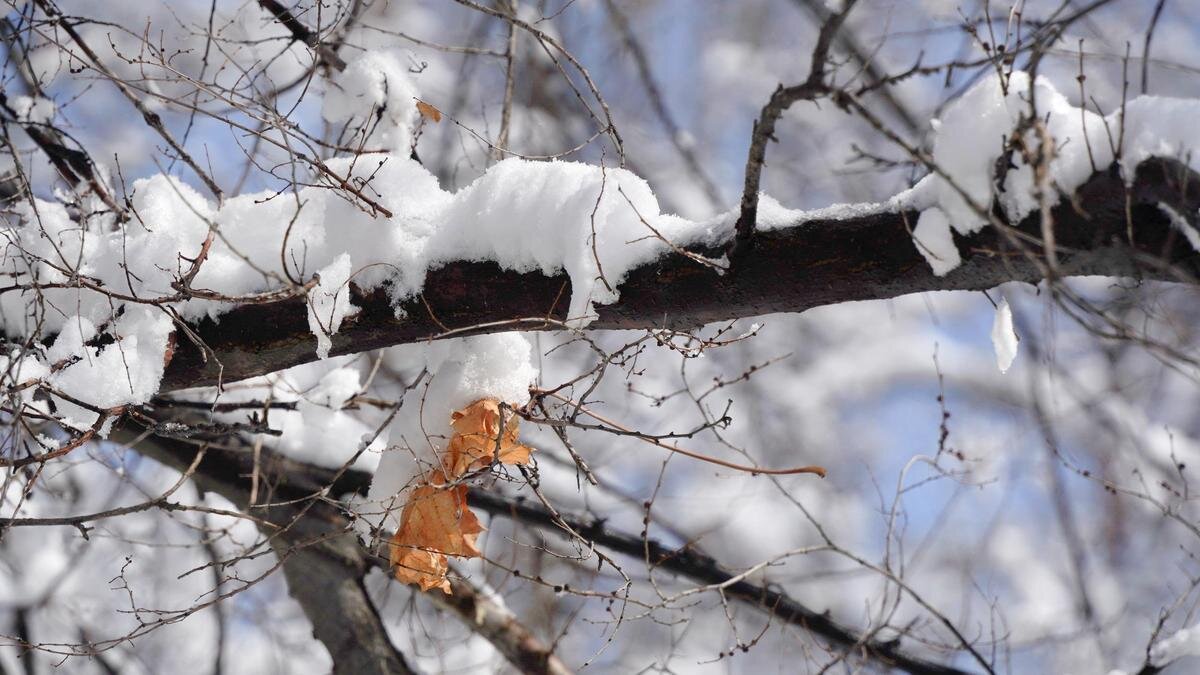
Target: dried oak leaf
(428,111)
(477,439)
(436,522)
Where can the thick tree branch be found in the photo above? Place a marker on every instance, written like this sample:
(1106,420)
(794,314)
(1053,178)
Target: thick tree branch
(291,480)
(497,625)
(813,263)
(326,578)
(325,564)
(322,560)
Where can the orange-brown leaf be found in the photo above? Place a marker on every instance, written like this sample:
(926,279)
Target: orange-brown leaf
(428,111)
(477,438)
(435,523)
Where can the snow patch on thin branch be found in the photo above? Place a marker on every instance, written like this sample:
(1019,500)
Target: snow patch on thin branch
(1179,222)
(1184,642)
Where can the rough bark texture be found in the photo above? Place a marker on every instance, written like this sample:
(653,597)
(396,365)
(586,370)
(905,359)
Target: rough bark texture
(326,578)
(812,264)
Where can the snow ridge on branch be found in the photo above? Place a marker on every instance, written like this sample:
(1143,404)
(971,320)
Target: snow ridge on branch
(534,245)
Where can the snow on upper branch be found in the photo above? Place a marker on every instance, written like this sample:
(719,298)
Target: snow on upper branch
(594,223)
(973,136)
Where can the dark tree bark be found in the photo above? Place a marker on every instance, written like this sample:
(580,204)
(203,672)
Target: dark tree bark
(812,264)
(326,578)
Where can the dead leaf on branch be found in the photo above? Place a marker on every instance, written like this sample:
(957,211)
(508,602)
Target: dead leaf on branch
(428,111)
(477,438)
(436,521)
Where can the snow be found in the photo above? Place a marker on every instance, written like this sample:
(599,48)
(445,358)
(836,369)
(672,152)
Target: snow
(33,109)
(551,216)
(125,372)
(1157,126)
(593,223)
(1185,642)
(329,303)
(374,84)
(527,216)
(935,242)
(970,138)
(1180,223)
(775,216)
(1004,337)
(460,372)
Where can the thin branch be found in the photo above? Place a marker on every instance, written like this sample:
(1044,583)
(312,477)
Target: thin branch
(658,103)
(152,119)
(324,52)
(764,128)
(510,77)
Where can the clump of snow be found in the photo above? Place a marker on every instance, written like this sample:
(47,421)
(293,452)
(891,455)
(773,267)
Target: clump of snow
(1004,336)
(551,216)
(1185,642)
(329,302)
(970,140)
(127,371)
(374,86)
(459,372)
(935,242)
(1180,223)
(33,109)
(972,134)
(1157,126)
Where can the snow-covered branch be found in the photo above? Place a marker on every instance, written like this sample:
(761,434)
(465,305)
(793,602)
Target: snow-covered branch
(801,260)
